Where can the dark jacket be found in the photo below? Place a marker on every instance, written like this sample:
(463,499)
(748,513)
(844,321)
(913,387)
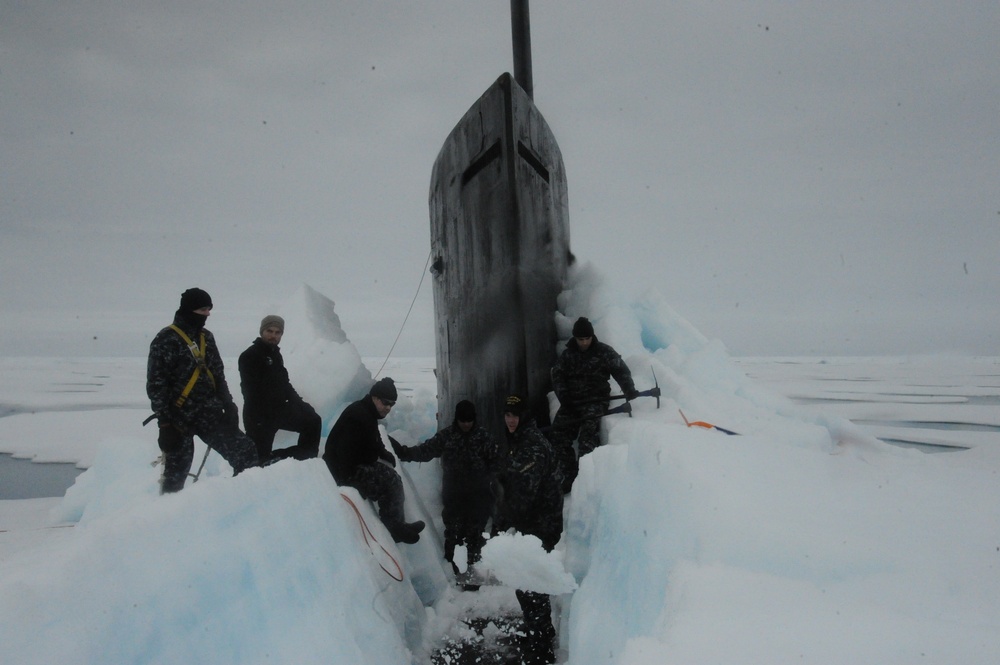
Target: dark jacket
(469,462)
(581,375)
(170,367)
(267,390)
(532,485)
(355,440)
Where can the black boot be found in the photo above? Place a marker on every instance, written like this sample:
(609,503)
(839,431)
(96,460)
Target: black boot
(406,532)
(536,649)
(536,644)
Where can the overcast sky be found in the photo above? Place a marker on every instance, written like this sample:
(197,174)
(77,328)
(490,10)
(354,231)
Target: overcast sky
(796,178)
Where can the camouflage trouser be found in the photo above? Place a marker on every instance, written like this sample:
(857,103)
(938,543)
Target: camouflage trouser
(536,645)
(582,423)
(380,483)
(464,529)
(178,452)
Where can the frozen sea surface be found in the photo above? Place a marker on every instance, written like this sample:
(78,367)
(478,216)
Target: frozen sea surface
(57,410)
(932,403)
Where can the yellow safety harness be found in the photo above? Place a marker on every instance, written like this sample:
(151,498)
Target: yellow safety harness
(199,357)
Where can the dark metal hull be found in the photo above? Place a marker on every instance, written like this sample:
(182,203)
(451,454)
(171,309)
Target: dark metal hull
(500,245)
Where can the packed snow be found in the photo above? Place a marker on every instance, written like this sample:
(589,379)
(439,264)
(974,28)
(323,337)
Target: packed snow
(801,539)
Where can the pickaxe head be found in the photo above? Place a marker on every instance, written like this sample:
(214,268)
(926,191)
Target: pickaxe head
(655,392)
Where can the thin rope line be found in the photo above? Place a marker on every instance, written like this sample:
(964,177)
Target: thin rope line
(405,318)
(366,532)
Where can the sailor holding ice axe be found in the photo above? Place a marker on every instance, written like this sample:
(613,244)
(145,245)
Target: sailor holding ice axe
(580,381)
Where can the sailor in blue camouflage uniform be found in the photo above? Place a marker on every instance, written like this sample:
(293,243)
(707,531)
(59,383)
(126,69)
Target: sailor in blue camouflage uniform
(186,385)
(580,381)
(532,504)
(470,459)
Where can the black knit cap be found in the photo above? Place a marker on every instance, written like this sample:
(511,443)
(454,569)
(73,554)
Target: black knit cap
(195,298)
(583,327)
(384,389)
(514,404)
(465,411)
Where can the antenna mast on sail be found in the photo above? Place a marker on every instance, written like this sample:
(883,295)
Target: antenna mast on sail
(520,24)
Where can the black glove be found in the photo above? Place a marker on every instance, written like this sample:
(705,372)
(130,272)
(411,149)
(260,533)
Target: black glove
(631,394)
(232,416)
(386,456)
(398,448)
(170,439)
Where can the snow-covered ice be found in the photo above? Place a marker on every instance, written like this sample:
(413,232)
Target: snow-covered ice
(803,539)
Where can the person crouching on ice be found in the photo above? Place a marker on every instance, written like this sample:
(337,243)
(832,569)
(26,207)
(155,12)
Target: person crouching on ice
(357,458)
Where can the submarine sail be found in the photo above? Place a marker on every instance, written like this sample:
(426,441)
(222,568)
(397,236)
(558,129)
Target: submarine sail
(500,247)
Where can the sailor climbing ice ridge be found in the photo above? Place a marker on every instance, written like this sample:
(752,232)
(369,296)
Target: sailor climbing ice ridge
(580,382)
(187,389)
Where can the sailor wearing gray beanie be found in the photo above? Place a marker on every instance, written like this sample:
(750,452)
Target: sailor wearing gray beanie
(270,403)
(272,321)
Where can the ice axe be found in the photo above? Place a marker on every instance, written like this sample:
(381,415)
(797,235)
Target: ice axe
(621,408)
(159,460)
(703,424)
(652,392)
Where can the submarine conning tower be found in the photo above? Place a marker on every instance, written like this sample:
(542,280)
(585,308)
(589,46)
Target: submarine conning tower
(500,254)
